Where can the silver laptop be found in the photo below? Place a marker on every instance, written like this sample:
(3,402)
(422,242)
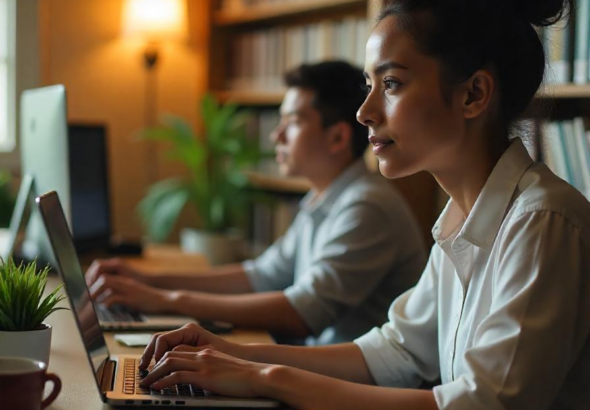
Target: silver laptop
(117,377)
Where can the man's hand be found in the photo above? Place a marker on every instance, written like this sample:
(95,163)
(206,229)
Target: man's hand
(115,266)
(121,290)
(190,338)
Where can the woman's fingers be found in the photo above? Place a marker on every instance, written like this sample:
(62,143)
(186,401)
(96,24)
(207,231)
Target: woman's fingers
(168,366)
(191,349)
(179,377)
(163,342)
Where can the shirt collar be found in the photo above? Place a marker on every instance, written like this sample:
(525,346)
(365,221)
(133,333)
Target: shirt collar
(485,219)
(324,202)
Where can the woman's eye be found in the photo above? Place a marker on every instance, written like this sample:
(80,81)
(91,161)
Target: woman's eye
(390,84)
(366,88)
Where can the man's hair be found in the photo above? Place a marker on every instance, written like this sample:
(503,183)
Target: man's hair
(338,94)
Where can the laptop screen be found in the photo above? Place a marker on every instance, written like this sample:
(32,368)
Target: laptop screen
(73,277)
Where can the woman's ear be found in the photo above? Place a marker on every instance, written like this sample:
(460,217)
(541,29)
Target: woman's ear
(479,92)
(340,137)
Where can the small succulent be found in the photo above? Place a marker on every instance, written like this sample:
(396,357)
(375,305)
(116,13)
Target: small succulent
(22,306)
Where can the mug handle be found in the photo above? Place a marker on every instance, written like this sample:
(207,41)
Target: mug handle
(56,389)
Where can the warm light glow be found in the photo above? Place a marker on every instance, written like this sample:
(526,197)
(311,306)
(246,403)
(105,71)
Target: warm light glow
(155,20)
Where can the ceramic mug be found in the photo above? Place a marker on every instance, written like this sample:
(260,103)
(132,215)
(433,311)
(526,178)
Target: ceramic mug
(22,383)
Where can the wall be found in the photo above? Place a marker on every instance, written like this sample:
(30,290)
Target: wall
(105,79)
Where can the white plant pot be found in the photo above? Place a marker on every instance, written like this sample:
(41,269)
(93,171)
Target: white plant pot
(33,344)
(218,248)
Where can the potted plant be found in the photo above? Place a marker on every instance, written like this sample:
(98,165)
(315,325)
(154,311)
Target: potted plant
(215,185)
(23,310)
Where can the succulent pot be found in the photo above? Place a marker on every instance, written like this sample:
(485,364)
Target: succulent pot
(33,344)
(219,249)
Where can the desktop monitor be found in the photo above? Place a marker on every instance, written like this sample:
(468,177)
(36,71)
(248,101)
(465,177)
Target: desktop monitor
(89,189)
(44,159)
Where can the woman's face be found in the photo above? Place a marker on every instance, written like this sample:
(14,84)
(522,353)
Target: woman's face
(411,127)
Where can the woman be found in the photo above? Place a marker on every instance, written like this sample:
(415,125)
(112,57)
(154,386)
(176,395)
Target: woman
(501,313)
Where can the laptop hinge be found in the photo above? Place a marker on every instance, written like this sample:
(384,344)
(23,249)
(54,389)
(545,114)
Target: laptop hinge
(107,378)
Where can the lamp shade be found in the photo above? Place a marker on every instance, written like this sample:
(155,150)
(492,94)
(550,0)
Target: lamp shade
(155,20)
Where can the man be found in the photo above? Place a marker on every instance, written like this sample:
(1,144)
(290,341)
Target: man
(353,247)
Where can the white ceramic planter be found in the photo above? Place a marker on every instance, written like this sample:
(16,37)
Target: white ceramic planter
(34,344)
(218,248)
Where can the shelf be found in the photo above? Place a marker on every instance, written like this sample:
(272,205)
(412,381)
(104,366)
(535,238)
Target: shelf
(278,184)
(278,10)
(563,91)
(251,97)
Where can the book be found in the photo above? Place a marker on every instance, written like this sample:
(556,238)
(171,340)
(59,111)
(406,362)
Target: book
(582,44)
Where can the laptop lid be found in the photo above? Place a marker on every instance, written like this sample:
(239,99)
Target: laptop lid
(71,273)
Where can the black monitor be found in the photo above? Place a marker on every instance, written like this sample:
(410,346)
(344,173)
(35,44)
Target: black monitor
(89,187)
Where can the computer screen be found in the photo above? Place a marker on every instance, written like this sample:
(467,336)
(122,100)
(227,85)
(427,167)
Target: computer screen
(44,156)
(67,264)
(91,225)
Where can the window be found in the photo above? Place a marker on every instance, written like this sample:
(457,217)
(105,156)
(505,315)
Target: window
(7,77)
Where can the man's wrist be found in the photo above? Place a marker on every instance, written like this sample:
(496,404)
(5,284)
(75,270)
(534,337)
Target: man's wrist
(171,300)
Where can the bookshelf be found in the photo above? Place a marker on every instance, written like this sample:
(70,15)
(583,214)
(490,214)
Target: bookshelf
(564,91)
(563,127)
(243,14)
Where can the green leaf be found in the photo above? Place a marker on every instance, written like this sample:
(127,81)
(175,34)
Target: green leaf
(161,206)
(22,306)
(215,163)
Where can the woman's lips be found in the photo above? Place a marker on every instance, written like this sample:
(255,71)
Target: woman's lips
(379,144)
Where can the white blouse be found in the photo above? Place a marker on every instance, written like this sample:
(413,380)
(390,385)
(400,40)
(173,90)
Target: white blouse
(502,312)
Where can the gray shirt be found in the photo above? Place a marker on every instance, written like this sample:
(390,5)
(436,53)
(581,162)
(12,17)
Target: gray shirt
(348,254)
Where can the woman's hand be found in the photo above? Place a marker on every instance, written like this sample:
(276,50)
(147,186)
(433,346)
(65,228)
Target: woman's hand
(120,290)
(211,370)
(190,338)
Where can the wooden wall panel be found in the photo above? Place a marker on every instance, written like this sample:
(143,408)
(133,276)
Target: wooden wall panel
(106,82)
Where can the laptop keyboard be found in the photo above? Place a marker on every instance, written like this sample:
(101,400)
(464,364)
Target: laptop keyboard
(117,313)
(133,376)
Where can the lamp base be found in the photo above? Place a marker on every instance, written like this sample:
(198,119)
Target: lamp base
(150,56)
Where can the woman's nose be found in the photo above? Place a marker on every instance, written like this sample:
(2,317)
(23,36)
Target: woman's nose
(277,135)
(368,114)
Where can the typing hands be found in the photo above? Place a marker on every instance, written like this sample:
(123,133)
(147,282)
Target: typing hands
(112,282)
(191,355)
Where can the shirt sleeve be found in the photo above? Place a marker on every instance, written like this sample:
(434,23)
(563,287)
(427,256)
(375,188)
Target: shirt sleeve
(358,253)
(404,351)
(275,268)
(537,325)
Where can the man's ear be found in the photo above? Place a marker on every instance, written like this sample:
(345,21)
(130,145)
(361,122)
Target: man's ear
(339,137)
(479,90)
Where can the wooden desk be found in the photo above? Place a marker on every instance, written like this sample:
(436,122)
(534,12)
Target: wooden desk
(68,358)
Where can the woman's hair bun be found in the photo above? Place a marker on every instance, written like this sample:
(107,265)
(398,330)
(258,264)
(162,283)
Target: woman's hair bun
(540,12)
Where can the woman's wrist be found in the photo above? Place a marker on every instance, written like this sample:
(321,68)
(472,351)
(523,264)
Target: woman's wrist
(270,380)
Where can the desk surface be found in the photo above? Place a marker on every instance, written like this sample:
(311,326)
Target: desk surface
(68,358)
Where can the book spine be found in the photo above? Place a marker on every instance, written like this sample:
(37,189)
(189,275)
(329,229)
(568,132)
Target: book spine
(581,42)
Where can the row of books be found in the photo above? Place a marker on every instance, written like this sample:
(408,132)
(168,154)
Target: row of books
(238,4)
(260,58)
(566,150)
(567,45)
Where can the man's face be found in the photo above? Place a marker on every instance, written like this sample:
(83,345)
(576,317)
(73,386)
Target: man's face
(300,143)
